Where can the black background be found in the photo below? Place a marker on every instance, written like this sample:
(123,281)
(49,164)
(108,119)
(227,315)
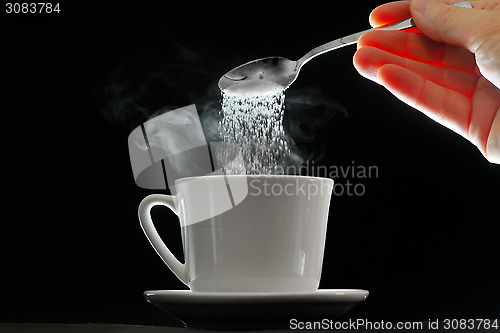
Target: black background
(423,239)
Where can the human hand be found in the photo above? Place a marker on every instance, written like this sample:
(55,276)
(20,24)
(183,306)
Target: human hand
(450,72)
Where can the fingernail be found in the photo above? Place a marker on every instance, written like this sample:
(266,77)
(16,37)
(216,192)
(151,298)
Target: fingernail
(422,5)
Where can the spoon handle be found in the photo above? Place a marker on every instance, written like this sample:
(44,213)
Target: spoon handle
(352,39)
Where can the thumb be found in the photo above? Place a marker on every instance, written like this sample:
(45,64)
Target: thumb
(474,29)
(465,27)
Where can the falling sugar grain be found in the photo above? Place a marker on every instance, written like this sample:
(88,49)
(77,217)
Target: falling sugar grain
(251,128)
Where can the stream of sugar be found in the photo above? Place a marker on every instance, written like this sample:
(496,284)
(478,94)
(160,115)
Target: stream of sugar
(251,128)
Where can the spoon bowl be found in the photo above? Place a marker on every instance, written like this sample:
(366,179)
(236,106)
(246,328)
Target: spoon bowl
(279,70)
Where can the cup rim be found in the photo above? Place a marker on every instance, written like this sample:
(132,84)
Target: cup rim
(184,179)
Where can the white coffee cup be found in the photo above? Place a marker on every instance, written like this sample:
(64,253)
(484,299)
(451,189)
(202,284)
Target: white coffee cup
(252,233)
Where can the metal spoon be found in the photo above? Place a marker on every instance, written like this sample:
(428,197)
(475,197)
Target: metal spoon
(283,71)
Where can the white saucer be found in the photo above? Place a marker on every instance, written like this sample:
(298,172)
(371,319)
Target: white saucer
(211,310)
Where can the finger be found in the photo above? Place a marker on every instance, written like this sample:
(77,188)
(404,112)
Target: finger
(466,27)
(399,10)
(478,4)
(445,106)
(493,145)
(368,61)
(487,103)
(420,48)
(475,29)
(390,12)
(486,4)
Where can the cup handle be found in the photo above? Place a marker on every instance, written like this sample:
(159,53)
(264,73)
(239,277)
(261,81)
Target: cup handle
(152,235)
